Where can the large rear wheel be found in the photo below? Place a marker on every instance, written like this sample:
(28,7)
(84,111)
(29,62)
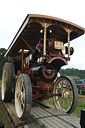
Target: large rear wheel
(67,94)
(7,82)
(23,96)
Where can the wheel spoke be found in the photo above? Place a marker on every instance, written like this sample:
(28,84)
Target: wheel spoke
(61,102)
(23,96)
(68,100)
(58,98)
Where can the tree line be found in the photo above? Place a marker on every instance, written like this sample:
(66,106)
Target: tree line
(75,73)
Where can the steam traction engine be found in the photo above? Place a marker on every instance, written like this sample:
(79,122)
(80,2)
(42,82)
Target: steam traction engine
(39,49)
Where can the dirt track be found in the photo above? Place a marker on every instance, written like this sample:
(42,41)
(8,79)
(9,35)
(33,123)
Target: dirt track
(82,98)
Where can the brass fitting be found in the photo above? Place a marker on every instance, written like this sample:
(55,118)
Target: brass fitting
(68,43)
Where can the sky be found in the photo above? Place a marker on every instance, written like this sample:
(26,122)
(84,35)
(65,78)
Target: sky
(13,13)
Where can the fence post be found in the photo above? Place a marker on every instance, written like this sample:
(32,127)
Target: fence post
(82,118)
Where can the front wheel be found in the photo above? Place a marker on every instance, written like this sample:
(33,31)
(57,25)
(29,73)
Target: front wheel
(67,93)
(23,96)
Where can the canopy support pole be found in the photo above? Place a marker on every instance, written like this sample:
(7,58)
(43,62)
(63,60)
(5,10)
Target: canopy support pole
(27,44)
(68,43)
(44,45)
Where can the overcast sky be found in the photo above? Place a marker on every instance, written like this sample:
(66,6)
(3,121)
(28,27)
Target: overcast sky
(13,12)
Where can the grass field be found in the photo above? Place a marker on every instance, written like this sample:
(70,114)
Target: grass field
(80,105)
(3,118)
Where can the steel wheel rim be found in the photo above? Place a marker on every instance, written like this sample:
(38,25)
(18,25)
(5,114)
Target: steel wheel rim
(65,101)
(3,83)
(20,96)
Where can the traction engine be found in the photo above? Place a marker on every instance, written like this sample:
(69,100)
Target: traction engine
(33,73)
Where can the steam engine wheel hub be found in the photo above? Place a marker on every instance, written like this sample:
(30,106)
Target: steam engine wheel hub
(47,73)
(19,96)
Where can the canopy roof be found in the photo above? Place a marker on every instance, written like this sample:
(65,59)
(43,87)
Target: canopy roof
(29,32)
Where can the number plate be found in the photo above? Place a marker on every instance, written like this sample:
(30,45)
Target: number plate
(58,45)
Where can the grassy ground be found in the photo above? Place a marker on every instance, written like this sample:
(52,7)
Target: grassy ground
(81,105)
(3,118)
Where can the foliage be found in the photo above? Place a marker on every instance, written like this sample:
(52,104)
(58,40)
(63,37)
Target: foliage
(73,72)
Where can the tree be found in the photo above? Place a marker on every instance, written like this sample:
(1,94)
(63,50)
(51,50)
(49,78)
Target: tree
(73,72)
